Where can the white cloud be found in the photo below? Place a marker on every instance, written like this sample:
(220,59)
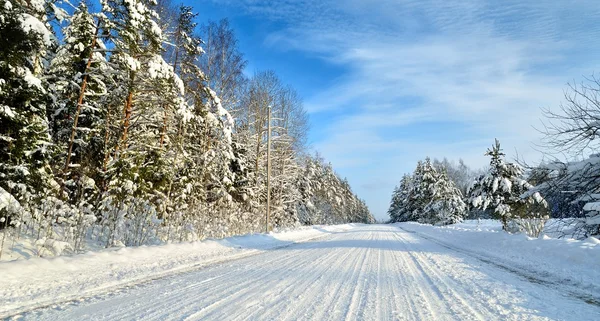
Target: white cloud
(485,67)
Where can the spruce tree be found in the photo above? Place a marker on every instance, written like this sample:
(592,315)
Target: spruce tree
(25,144)
(145,89)
(77,117)
(401,208)
(503,190)
(447,205)
(424,179)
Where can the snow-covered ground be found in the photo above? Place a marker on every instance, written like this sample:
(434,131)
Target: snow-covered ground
(351,272)
(571,263)
(38,282)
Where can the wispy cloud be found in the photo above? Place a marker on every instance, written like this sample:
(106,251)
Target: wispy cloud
(431,77)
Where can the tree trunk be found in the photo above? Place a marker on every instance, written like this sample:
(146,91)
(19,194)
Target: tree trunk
(80,100)
(126,120)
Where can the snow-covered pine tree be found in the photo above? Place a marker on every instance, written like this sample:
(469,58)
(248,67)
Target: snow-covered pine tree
(395,203)
(25,144)
(503,190)
(146,89)
(325,198)
(421,194)
(204,135)
(350,203)
(76,76)
(364,213)
(400,207)
(180,183)
(446,205)
(308,186)
(242,188)
(332,190)
(77,117)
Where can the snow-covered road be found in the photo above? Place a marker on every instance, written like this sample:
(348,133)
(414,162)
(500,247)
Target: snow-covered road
(371,272)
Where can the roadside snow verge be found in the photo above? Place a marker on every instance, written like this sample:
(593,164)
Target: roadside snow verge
(573,264)
(39,282)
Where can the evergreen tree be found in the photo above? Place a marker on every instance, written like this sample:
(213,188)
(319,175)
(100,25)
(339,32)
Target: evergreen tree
(395,205)
(325,198)
(400,210)
(421,194)
(25,144)
(503,190)
(149,91)
(428,196)
(112,132)
(447,205)
(77,116)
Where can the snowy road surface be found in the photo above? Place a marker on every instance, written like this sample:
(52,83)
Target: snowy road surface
(372,272)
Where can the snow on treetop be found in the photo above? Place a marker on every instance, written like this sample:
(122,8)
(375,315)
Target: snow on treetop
(30,23)
(179,84)
(155,28)
(132,63)
(30,79)
(61,14)
(37,5)
(159,69)
(6,111)
(8,202)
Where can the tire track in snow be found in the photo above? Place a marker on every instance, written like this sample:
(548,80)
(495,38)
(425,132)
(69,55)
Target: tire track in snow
(346,271)
(301,257)
(419,293)
(324,295)
(440,285)
(217,289)
(402,307)
(373,272)
(359,284)
(375,280)
(302,288)
(284,267)
(378,310)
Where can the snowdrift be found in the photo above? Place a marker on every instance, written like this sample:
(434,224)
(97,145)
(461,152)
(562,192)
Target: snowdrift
(567,262)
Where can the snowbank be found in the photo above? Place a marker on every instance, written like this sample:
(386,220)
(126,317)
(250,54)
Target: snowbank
(37,282)
(564,261)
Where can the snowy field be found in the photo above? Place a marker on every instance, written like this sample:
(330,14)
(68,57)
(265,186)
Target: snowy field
(406,271)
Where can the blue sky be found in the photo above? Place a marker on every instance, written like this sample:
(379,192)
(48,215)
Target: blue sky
(390,82)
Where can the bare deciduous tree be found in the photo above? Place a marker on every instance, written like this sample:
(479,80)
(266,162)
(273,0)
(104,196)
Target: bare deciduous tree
(573,132)
(222,62)
(575,129)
